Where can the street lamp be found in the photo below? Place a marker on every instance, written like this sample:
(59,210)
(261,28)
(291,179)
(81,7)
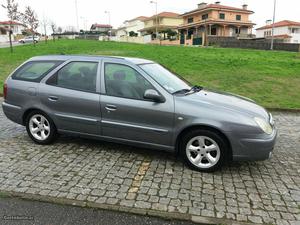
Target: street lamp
(273,26)
(76,11)
(108,13)
(156,17)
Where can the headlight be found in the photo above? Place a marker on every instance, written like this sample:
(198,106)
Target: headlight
(266,127)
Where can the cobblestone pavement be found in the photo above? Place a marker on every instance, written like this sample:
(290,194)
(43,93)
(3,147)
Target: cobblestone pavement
(117,175)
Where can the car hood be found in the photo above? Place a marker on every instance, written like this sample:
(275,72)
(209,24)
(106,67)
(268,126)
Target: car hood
(228,101)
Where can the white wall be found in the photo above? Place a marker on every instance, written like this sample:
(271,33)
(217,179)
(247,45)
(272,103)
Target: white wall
(5,38)
(141,39)
(295,38)
(280,31)
(134,25)
(277,31)
(121,32)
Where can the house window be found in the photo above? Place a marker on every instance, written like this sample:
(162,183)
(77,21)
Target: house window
(237,31)
(238,17)
(190,20)
(295,30)
(222,16)
(205,16)
(189,34)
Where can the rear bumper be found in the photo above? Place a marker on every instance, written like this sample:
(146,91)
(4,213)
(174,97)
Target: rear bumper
(13,112)
(254,149)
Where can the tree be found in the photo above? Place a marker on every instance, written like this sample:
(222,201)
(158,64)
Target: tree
(45,23)
(53,27)
(13,15)
(31,20)
(59,30)
(132,34)
(171,33)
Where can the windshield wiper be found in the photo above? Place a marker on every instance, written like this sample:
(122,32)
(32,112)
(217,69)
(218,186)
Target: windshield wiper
(194,89)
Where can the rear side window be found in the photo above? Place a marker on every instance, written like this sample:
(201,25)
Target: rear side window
(35,70)
(80,76)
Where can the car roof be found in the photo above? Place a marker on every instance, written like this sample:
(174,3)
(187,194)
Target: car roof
(136,61)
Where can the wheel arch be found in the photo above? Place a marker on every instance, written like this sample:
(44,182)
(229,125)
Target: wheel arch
(204,127)
(28,111)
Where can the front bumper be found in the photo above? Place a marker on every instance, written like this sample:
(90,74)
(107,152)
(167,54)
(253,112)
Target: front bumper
(254,148)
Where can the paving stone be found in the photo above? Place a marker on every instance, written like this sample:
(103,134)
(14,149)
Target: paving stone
(255,219)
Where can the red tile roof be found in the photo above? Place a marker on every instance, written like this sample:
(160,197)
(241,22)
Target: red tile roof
(218,6)
(283,23)
(284,36)
(10,22)
(168,14)
(165,14)
(101,25)
(140,18)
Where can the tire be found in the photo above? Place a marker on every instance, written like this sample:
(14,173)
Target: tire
(47,132)
(204,150)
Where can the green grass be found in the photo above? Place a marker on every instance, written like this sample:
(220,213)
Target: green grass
(4,195)
(270,78)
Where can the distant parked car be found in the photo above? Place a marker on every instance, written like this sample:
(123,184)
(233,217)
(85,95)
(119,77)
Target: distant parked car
(30,39)
(137,102)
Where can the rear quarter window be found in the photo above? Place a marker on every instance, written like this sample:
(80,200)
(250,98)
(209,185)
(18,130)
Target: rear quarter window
(34,71)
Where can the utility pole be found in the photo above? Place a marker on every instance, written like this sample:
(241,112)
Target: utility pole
(76,11)
(273,26)
(156,18)
(108,13)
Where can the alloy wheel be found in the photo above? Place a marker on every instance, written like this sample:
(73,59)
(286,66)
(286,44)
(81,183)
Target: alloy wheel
(203,152)
(39,127)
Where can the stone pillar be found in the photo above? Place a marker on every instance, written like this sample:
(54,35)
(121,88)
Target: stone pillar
(224,31)
(209,32)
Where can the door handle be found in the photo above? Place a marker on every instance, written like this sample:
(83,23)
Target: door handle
(52,98)
(111,108)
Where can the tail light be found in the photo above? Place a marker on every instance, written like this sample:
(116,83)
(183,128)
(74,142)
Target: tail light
(5,90)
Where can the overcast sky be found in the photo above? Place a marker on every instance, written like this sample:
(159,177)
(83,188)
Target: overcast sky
(91,11)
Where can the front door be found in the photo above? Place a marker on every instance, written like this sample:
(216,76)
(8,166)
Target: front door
(182,39)
(70,96)
(125,112)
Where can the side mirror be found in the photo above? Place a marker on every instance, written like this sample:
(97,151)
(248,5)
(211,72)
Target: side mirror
(153,95)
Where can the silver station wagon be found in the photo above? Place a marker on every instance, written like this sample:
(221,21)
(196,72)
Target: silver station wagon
(138,102)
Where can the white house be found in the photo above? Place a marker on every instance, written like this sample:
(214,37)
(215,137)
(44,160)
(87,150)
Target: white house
(103,28)
(286,30)
(17,27)
(133,25)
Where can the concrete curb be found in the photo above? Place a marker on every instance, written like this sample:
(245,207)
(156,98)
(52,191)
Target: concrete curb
(149,212)
(283,110)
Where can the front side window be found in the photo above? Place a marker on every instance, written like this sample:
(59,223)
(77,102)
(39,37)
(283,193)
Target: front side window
(165,78)
(35,70)
(125,82)
(76,75)
(238,17)
(222,16)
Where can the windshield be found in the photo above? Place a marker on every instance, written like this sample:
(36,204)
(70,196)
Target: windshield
(165,78)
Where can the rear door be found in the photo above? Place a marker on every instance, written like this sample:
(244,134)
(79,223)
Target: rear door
(71,95)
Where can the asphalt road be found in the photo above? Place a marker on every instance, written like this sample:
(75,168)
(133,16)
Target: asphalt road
(14,211)
(6,45)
